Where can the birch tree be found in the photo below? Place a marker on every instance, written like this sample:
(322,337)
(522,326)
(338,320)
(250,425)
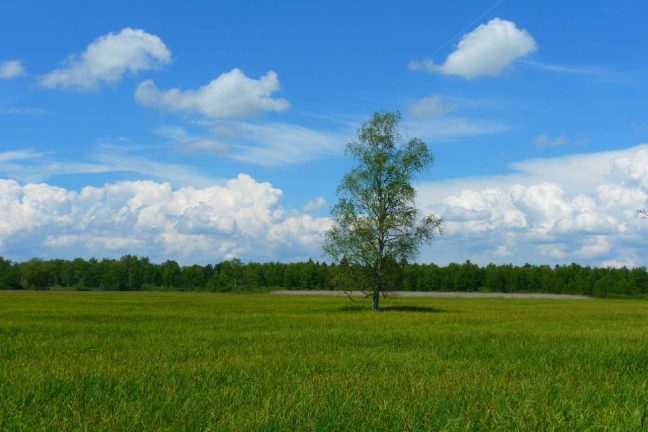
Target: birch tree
(376,222)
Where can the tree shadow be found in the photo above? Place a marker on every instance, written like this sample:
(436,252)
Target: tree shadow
(405,308)
(354,308)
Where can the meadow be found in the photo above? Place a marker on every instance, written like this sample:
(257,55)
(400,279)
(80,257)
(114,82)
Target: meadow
(200,361)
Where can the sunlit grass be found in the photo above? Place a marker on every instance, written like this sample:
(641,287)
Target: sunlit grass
(151,361)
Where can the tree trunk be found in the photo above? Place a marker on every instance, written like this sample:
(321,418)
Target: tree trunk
(376,299)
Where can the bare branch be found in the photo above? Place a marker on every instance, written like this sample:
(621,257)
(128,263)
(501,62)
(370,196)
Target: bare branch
(365,296)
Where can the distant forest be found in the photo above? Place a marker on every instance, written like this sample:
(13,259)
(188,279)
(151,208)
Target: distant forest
(132,273)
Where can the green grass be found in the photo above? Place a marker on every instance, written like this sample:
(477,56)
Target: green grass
(170,361)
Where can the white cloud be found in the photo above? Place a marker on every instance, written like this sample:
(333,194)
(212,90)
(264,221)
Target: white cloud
(428,120)
(631,169)
(488,50)
(40,168)
(432,106)
(232,94)
(598,73)
(15,155)
(172,172)
(107,59)
(261,143)
(594,247)
(30,166)
(545,141)
(11,69)
(274,144)
(24,111)
(305,230)
(188,143)
(109,243)
(627,262)
(277,144)
(443,128)
(241,218)
(315,204)
(205,146)
(554,210)
(574,208)
(549,67)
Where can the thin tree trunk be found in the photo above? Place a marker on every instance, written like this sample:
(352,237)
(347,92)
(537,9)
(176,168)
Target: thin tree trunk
(376,299)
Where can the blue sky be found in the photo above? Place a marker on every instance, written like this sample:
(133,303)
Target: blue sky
(199,131)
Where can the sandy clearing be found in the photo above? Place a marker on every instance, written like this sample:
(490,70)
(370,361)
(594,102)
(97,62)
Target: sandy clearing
(439,294)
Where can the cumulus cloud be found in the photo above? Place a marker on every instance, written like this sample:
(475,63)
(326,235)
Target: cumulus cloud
(241,218)
(107,59)
(232,94)
(488,50)
(315,204)
(594,247)
(578,208)
(11,69)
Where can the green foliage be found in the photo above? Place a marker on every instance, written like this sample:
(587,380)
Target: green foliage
(37,274)
(10,276)
(376,221)
(139,274)
(233,276)
(172,361)
(170,273)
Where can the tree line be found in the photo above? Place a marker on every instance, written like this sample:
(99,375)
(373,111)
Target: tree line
(133,273)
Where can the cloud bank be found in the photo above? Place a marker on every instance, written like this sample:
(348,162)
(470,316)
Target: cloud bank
(486,51)
(577,208)
(242,218)
(580,208)
(108,59)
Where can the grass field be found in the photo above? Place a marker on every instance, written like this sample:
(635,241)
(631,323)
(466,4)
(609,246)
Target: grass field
(175,361)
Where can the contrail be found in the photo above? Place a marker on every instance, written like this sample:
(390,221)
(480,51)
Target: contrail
(472,23)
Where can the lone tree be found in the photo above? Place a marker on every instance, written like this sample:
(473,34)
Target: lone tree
(376,223)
